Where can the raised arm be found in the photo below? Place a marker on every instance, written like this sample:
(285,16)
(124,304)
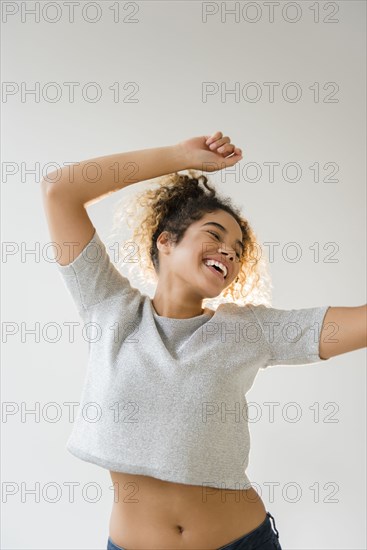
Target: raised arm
(89,181)
(68,192)
(344,329)
(67,195)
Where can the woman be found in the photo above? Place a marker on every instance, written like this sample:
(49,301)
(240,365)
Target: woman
(167,378)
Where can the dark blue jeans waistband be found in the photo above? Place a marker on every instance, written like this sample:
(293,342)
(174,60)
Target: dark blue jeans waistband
(264,533)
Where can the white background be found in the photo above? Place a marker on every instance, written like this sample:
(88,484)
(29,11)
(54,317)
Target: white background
(169,52)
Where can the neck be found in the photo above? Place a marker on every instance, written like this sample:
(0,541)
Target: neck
(175,312)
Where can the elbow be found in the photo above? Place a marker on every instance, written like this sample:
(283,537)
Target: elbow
(50,184)
(45,185)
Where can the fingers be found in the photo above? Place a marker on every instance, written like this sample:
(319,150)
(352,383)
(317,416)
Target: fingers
(218,143)
(214,137)
(226,149)
(215,145)
(231,161)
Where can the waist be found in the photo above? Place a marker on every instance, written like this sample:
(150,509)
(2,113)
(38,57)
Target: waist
(174,515)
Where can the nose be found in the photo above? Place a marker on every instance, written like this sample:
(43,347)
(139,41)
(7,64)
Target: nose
(229,254)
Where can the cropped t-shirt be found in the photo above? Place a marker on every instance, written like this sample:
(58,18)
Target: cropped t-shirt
(166,397)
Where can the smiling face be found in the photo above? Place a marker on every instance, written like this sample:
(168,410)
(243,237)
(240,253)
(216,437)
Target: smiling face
(216,236)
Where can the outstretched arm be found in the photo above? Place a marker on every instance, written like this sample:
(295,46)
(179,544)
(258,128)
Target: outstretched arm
(344,329)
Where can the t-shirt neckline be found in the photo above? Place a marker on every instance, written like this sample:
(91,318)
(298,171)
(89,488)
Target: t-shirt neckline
(173,319)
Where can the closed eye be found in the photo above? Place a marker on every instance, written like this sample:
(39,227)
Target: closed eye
(216,235)
(212,232)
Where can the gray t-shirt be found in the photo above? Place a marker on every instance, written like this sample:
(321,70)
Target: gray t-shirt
(166,397)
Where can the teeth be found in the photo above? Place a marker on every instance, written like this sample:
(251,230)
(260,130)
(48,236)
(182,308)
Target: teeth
(218,264)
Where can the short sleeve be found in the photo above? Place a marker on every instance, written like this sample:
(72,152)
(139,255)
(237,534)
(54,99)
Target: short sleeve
(92,278)
(292,336)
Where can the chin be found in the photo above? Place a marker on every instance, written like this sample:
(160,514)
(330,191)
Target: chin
(209,295)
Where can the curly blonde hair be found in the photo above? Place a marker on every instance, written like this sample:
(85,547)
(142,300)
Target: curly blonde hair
(178,201)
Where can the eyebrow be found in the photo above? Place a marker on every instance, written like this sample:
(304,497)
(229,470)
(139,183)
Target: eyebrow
(225,231)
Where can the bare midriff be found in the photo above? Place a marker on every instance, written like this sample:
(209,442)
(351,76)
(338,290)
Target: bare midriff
(150,513)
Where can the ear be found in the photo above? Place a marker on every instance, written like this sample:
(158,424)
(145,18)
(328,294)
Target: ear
(164,242)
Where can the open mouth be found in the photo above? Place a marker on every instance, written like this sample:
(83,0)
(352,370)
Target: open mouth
(215,270)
